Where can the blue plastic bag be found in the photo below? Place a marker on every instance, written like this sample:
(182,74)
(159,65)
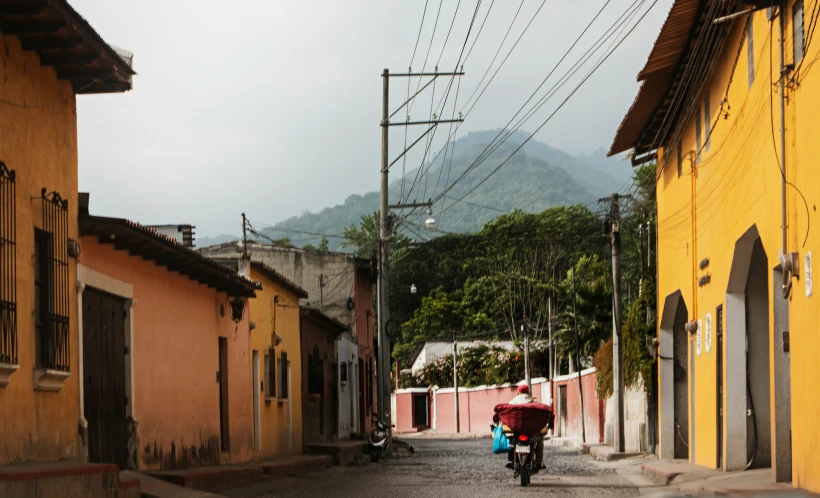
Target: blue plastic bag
(500,442)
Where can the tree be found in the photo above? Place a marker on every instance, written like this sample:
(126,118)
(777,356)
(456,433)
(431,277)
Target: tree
(324,245)
(365,237)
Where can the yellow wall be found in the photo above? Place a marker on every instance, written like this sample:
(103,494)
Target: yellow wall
(735,186)
(40,143)
(278,437)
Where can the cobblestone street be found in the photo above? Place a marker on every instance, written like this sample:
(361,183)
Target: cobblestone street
(445,468)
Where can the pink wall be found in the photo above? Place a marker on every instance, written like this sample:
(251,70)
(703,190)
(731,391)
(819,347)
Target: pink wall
(177,324)
(594,408)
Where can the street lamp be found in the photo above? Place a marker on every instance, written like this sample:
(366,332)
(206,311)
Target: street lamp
(413,289)
(430,223)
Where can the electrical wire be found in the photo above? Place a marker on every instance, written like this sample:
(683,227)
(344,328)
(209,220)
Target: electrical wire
(493,145)
(426,57)
(413,58)
(560,106)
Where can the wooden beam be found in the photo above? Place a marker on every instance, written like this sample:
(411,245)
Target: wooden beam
(22,8)
(84,73)
(50,42)
(68,59)
(23,28)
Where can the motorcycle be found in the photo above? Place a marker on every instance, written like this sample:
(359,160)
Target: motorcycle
(525,426)
(524,464)
(379,444)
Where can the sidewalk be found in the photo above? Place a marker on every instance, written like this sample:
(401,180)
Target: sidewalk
(218,476)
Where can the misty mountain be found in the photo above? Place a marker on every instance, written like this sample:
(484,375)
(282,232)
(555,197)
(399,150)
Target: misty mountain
(536,177)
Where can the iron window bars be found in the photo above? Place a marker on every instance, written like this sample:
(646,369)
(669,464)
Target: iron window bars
(53,343)
(8,265)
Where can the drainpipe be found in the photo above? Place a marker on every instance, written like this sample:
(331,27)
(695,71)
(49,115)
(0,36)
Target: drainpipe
(786,263)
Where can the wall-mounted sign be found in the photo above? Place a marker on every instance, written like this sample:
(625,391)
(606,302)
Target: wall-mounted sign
(708,332)
(807,274)
(700,337)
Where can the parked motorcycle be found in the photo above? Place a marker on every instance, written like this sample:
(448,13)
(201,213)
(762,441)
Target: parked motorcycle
(379,444)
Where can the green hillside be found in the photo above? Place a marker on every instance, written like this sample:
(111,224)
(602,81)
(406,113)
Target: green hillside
(536,178)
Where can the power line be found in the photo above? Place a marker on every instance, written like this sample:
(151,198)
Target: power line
(413,58)
(574,91)
(493,145)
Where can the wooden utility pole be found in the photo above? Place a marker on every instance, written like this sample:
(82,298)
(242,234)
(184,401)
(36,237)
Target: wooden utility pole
(383,281)
(551,350)
(525,328)
(244,236)
(578,358)
(614,219)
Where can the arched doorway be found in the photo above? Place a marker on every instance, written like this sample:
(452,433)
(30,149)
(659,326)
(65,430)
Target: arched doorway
(748,422)
(673,370)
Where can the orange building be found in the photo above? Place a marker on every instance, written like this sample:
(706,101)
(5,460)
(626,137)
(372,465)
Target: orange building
(49,54)
(164,351)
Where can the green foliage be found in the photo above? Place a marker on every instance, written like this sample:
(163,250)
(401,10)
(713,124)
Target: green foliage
(365,237)
(593,302)
(482,365)
(602,361)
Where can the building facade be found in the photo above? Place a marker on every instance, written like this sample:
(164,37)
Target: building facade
(340,285)
(276,360)
(39,360)
(737,335)
(165,351)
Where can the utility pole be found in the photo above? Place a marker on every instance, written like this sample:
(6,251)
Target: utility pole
(455,383)
(614,219)
(383,281)
(525,328)
(244,236)
(578,358)
(551,350)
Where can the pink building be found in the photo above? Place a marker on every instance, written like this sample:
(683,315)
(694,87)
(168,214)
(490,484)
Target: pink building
(164,350)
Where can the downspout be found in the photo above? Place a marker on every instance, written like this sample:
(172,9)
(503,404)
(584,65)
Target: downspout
(787,265)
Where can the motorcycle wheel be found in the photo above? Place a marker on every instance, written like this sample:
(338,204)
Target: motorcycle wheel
(524,470)
(375,454)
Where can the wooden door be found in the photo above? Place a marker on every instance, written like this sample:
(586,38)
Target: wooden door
(222,379)
(104,394)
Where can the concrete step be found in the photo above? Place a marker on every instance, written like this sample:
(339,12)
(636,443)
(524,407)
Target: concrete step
(220,476)
(64,479)
(343,452)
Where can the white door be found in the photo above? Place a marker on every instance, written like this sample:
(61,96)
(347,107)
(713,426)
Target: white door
(257,436)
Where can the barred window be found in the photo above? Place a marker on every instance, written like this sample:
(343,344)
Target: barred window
(51,284)
(707,115)
(698,131)
(797,26)
(8,266)
(680,159)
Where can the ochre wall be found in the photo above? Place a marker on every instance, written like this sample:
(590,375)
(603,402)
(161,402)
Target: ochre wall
(280,421)
(177,324)
(40,144)
(737,186)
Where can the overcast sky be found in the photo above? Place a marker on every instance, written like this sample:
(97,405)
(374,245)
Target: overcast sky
(273,107)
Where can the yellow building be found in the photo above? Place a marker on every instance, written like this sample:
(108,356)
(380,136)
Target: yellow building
(276,361)
(49,54)
(739,347)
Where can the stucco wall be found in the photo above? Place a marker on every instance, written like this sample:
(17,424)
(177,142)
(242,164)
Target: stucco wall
(281,421)
(736,186)
(594,408)
(315,406)
(177,325)
(40,144)
(364,326)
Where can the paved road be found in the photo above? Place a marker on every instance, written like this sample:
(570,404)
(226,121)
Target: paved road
(461,469)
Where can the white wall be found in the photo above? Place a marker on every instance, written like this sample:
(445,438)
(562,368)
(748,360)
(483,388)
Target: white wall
(347,353)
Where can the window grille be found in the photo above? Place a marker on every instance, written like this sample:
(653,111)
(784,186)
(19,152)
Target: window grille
(52,284)
(707,125)
(797,25)
(8,265)
(270,375)
(750,49)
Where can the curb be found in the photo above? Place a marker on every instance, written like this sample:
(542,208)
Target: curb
(656,475)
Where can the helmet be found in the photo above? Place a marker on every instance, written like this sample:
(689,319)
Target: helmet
(523,389)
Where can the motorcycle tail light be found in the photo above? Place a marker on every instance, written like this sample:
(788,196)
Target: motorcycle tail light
(523,438)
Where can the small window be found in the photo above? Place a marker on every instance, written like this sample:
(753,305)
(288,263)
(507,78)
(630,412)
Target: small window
(270,375)
(797,25)
(284,370)
(698,130)
(680,159)
(707,125)
(750,49)
(8,265)
(51,284)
